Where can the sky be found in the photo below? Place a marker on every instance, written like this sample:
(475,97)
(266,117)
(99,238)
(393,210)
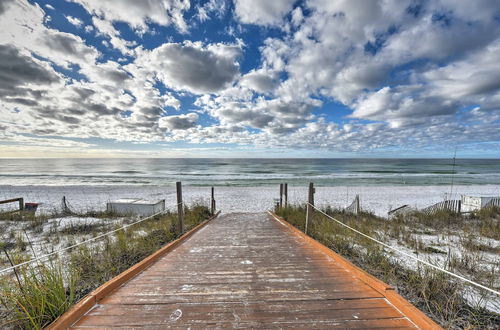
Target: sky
(250,78)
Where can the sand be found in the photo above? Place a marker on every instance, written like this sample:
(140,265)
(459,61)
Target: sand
(377,199)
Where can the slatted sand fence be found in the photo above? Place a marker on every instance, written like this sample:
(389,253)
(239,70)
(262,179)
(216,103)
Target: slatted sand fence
(449,205)
(247,270)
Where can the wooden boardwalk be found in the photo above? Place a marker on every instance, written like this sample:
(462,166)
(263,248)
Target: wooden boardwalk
(246,270)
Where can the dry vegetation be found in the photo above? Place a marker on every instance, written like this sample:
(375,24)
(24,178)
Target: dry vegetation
(35,295)
(467,245)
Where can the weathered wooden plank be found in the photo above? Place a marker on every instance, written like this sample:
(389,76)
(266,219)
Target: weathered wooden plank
(234,321)
(196,315)
(301,305)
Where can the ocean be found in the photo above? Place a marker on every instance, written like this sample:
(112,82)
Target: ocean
(248,172)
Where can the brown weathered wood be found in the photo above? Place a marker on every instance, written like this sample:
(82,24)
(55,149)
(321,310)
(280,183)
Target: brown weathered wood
(285,192)
(20,200)
(11,200)
(309,209)
(180,207)
(281,195)
(212,201)
(358,208)
(245,270)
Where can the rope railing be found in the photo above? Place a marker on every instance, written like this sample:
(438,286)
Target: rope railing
(407,254)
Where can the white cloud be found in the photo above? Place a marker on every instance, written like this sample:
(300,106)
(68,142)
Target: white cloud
(139,13)
(22,26)
(414,70)
(261,81)
(107,29)
(180,122)
(192,66)
(297,16)
(212,7)
(75,21)
(262,12)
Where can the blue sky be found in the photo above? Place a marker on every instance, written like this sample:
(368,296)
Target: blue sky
(249,78)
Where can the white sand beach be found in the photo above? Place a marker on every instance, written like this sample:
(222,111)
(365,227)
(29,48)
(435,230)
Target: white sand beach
(377,199)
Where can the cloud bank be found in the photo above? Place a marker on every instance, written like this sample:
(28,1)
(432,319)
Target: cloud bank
(340,76)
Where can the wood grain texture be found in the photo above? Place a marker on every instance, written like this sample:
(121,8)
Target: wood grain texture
(245,271)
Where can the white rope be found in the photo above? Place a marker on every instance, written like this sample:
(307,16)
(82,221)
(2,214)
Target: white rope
(81,243)
(409,255)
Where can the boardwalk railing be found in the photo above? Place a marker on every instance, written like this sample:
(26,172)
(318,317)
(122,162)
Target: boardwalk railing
(450,205)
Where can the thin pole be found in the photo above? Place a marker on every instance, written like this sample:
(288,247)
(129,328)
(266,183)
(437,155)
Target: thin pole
(180,207)
(286,194)
(281,195)
(212,202)
(453,172)
(309,210)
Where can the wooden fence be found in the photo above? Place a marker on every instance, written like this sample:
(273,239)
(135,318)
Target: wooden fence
(354,208)
(20,200)
(400,210)
(493,202)
(450,205)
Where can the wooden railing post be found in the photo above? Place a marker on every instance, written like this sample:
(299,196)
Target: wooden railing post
(212,202)
(21,204)
(286,194)
(358,208)
(180,207)
(310,203)
(281,196)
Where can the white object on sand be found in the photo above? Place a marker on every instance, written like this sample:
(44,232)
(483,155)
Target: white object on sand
(135,206)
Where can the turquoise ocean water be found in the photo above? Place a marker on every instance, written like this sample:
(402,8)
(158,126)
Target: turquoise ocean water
(248,172)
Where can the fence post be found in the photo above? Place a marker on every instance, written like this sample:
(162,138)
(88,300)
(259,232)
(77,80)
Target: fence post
(286,194)
(281,196)
(212,202)
(67,210)
(180,207)
(310,203)
(358,208)
(21,204)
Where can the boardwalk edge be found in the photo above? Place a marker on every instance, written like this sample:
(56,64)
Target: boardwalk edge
(92,299)
(405,307)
